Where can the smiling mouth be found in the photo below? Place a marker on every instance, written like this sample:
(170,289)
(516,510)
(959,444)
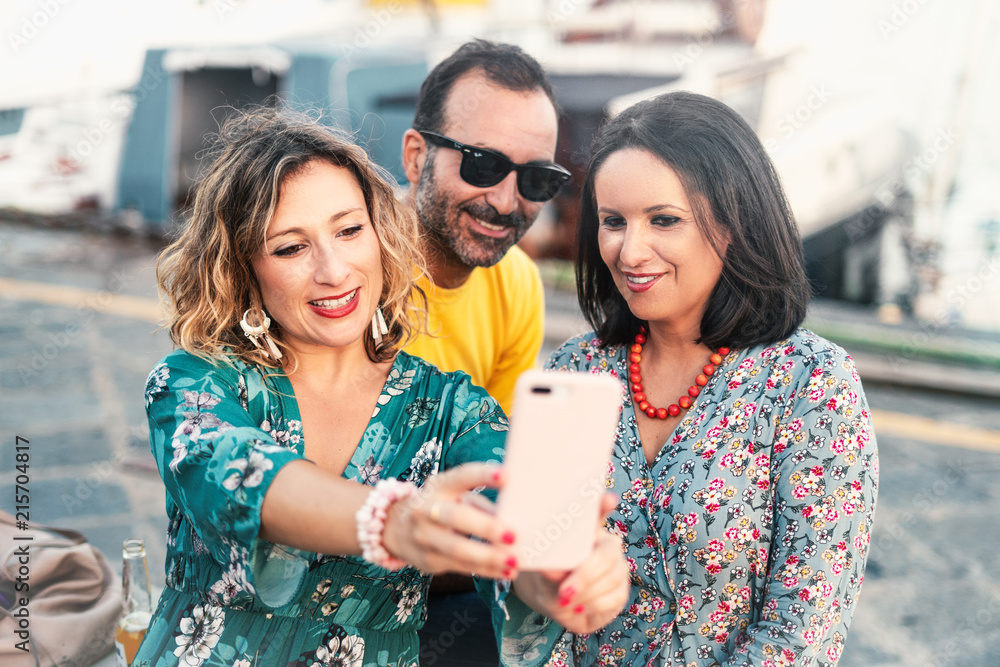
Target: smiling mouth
(492,227)
(489,229)
(333,304)
(640,280)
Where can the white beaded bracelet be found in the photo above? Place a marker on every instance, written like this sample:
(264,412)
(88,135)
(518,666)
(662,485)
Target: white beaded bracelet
(371,521)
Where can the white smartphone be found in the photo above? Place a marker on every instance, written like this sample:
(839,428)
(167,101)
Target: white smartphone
(562,434)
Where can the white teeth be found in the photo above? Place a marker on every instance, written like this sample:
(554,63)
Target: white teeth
(637,280)
(333,304)
(494,228)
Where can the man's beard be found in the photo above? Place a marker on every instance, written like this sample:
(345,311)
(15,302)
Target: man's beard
(442,219)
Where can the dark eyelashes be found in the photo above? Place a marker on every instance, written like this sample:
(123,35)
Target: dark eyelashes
(661,220)
(290,250)
(287,251)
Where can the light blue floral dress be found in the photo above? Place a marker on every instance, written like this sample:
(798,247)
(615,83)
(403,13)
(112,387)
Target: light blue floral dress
(747,537)
(220,433)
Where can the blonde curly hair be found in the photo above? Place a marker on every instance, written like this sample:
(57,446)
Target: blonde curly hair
(206,274)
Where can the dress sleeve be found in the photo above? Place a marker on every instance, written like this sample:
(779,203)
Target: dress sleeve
(581,354)
(217,465)
(825,475)
(527,327)
(480,428)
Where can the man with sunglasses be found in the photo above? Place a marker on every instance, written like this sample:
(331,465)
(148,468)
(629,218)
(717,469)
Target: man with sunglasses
(480,161)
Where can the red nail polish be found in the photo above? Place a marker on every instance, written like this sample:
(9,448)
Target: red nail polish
(508,537)
(511,562)
(566,596)
(578,609)
(496,476)
(507,574)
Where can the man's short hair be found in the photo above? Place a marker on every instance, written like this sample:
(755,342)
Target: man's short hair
(505,65)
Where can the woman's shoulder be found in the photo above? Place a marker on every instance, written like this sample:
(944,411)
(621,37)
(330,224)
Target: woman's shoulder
(451,387)
(824,351)
(810,352)
(422,373)
(418,367)
(180,368)
(584,352)
(182,362)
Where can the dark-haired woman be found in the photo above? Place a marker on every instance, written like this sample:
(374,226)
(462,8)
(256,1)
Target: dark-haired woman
(745,461)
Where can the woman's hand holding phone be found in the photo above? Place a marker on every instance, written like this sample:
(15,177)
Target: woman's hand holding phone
(431,530)
(588,597)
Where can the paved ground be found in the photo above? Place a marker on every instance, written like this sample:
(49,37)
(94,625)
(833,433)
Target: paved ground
(78,336)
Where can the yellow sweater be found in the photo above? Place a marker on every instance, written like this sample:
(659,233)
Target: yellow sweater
(491,327)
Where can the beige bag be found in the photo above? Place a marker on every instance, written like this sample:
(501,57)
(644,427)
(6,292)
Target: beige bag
(74,599)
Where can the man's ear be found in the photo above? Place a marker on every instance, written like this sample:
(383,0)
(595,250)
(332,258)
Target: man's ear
(414,155)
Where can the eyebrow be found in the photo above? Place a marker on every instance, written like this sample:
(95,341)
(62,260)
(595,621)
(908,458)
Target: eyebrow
(648,209)
(333,218)
(658,207)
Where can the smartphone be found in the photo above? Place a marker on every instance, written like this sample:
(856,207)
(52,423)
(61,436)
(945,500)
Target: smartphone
(562,434)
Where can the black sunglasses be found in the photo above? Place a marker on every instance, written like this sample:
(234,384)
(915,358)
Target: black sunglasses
(483,168)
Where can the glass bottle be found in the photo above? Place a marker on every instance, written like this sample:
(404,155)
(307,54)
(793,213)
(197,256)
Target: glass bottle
(138,608)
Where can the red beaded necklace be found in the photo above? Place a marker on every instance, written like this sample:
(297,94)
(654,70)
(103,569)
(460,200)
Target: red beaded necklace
(684,402)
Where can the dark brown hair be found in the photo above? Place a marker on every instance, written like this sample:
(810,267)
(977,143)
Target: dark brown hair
(762,294)
(504,65)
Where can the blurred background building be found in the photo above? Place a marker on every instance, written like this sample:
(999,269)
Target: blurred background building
(876,112)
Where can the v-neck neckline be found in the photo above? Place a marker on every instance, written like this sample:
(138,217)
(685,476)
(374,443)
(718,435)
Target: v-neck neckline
(290,404)
(647,468)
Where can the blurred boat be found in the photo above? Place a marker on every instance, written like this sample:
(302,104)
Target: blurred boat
(371,95)
(846,160)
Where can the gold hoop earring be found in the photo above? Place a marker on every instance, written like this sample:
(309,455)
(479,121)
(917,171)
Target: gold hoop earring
(258,332)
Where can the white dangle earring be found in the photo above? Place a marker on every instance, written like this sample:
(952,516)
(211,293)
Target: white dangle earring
(379,328)
(256,333)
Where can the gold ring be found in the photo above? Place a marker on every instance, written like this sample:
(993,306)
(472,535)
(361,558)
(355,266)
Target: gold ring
(435,512)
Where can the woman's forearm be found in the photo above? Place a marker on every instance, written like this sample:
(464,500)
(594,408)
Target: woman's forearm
(311,509)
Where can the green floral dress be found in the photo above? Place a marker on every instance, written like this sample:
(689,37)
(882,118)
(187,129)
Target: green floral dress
(220,433)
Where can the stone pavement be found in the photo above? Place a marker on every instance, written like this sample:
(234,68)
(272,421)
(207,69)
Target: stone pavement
(77,339)
(78,336)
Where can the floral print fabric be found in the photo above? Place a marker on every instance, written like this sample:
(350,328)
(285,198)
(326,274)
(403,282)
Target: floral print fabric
(220,433)
(747,537)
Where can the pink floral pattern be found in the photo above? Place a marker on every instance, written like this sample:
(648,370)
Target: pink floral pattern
(747,537)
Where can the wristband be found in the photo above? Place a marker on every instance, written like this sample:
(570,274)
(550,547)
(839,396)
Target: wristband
(371,521)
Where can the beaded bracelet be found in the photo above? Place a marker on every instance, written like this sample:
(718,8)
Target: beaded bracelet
(371,521)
